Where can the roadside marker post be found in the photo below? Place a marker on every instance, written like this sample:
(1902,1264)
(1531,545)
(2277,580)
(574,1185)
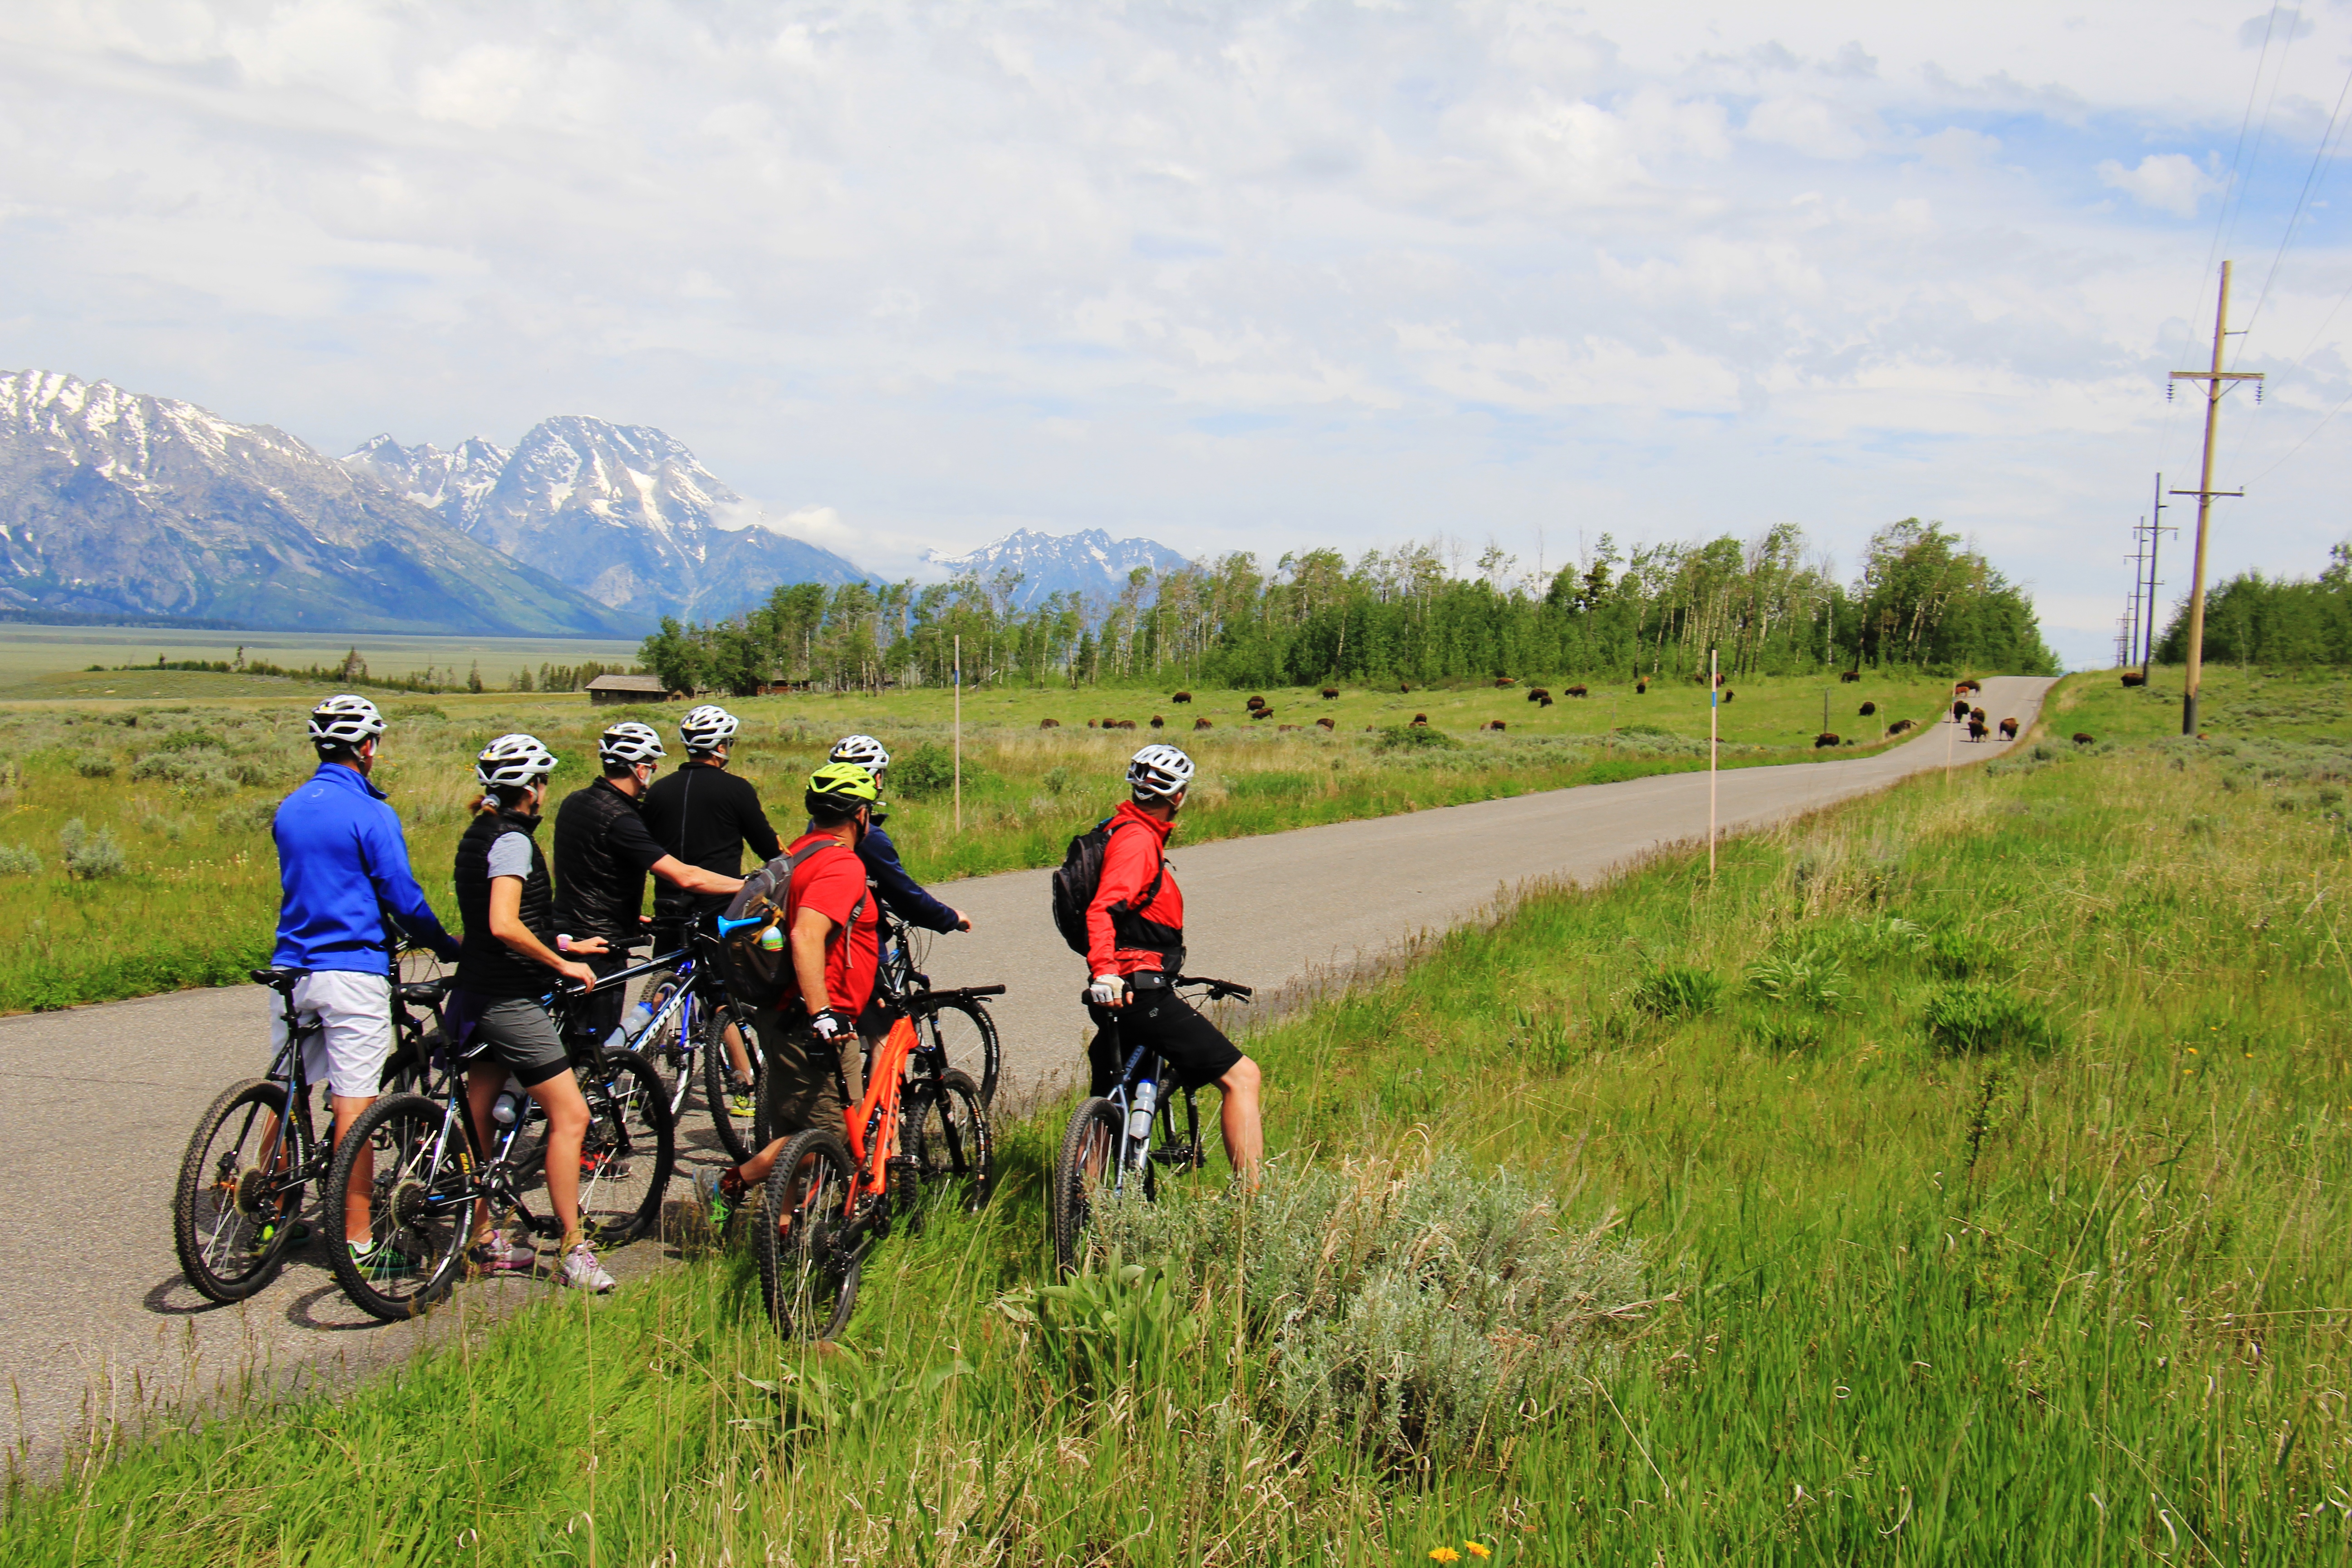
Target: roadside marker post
(1714,704)
(959,731)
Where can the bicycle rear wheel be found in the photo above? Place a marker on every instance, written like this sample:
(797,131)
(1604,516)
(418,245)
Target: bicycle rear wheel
(736,1131)
(1086,1171)
(806,1247)
(628,1151)
(232,1206)
(947,1135)
(420,1208)
(961,1029)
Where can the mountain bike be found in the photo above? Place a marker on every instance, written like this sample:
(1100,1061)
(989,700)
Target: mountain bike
(257,1147)
(920,1128)
(1117,1143)
(430,1170)
(692,1014)
(959,1027)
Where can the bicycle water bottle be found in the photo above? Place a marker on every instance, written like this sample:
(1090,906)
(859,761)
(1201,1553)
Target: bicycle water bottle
(1138,1120)
(631,1027)
(509,1105)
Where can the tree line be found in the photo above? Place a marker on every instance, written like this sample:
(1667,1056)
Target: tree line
(1410,614)
(2272,622)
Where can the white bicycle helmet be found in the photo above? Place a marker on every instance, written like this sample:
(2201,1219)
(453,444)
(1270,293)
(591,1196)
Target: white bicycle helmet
(345,721)
(515,760)
(863,749)
(708,728)
(631,743)
(1159,771)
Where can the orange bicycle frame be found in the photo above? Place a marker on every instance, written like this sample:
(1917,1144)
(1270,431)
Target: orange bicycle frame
(878,1111)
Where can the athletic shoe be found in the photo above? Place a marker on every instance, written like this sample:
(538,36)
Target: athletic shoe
(497,1253)
(583,1272)
(382,1262)
(717,1203)
(740,1093)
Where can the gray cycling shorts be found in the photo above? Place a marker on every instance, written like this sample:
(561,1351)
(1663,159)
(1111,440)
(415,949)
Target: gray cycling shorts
(517,1035)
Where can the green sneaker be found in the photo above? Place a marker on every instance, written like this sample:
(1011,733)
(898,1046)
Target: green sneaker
(382,1261)
(740,1096)
(718,1204)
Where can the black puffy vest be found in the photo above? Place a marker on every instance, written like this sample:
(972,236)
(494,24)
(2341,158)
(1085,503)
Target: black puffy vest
(487,966)
(598,894)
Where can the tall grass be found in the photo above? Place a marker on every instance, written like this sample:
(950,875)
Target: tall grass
(2075,1296)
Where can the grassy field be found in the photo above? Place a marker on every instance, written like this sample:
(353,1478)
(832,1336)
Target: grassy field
(51,663)
(1958,1178)
(173,798)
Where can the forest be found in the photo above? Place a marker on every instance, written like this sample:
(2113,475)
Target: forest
(2269,622)
(1921,601)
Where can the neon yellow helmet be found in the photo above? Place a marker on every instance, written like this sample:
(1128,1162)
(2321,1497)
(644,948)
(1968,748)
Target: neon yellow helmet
(838,789)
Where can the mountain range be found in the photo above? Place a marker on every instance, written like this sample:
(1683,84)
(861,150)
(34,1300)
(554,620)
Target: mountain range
(624,513)
(112,502)
(1090,564)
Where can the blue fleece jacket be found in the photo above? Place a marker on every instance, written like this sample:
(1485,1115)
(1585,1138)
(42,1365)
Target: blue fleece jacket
(342,866)
(900,892)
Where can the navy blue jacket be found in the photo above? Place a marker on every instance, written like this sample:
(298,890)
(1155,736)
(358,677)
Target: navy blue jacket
(343,873)
(900,892)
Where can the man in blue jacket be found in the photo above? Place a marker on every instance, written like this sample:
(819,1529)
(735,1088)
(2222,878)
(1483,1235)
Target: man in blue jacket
(901,894)
(346,890)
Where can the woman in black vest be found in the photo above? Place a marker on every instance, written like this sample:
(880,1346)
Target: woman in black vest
(504,898)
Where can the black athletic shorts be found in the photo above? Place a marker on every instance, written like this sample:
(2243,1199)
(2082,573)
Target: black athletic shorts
(1195,1050)
(517,1035)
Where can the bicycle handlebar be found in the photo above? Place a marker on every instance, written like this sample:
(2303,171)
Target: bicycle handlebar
(1219,990)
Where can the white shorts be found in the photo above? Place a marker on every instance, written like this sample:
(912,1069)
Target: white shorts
(349,1054)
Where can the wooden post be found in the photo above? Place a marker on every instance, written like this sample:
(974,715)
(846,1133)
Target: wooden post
(2217,382)
(959,731)
(1714,704)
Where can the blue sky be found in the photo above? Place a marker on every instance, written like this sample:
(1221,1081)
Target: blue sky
(1236,276)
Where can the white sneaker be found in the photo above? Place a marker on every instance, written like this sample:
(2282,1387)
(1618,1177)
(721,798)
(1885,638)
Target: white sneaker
(583,1272)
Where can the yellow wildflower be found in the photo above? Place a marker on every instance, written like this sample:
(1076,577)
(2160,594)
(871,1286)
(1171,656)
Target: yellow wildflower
(1444,1554)
(1477,1550)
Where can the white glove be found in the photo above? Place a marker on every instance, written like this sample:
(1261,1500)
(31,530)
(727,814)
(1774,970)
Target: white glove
(1108,991)
(830,1026)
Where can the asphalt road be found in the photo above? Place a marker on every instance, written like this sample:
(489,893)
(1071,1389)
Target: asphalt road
(97,1325)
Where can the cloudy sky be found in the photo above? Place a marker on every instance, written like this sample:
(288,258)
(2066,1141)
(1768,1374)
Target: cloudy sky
(1254,277)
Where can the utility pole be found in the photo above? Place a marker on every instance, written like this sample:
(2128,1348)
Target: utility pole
(2155,527)
(2217,382)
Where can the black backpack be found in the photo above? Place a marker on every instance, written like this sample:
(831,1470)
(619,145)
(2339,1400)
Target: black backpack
(1080,874)
(759,976)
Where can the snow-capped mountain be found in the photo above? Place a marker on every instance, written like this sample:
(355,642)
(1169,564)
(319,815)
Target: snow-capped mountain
(624,513)
(115,502)
(1091,564)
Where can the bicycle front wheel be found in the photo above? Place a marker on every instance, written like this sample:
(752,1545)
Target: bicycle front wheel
(420,1206)
(233,1205)
(628,1151)
(734,1122)
(808,1257)
(947,1136)
(961,1031)
(1085,1171)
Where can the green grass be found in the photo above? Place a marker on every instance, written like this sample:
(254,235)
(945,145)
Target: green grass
(200,897)
(2066,1284)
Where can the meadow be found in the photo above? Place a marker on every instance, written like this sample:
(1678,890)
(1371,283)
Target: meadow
(135,853)
(1956,1176)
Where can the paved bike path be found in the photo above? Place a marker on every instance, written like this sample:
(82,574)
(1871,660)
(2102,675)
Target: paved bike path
(94,1317)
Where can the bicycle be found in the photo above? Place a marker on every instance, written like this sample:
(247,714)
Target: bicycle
(691,1020)
(833,1194)
(430,1171)
(1118,1141)
(960,1028)
(256,1148)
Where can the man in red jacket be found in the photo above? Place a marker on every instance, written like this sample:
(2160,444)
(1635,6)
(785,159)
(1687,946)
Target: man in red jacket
(1135,949)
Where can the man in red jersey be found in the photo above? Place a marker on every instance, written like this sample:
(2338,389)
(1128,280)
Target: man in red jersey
(1135,951)
(831,923)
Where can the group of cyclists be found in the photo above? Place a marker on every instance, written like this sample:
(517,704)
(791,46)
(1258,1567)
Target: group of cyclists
(533,918)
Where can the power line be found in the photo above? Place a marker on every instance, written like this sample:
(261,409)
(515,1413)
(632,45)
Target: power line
(2302,204)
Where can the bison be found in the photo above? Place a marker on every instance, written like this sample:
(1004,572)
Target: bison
(1642,687)
(1049,723)
(1825,740)
(1503,680)
(1326,723)
(1403,687)
(1577,692)
(2083,740)
(2133,678)
(1977,716)
(1158,722)
(1182,697)
(1959,709)
(1900,726)
(1728,696)
(1868,709)
(1420,719)
(1538,693)
(1254,703)
(1094,723)
(2009,728)
(1119,723)
(1283,729)
(1492,724)
(1850,676)
(1545,703)
(1261,713)
(1976,728)
(1330,694)
(1202,724)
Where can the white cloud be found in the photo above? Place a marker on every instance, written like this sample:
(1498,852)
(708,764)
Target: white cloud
(1809,125)
(2169,181)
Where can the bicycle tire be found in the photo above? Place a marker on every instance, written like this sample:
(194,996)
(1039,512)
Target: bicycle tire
(961,1029)
(411,1066)
(1090,1149)
(808,1279)
(628,1152)
(215,1223)
(948,1136)
(412,1163)
(739,1135)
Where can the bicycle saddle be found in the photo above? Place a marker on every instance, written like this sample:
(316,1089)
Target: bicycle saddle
(281,981)
(426,993)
